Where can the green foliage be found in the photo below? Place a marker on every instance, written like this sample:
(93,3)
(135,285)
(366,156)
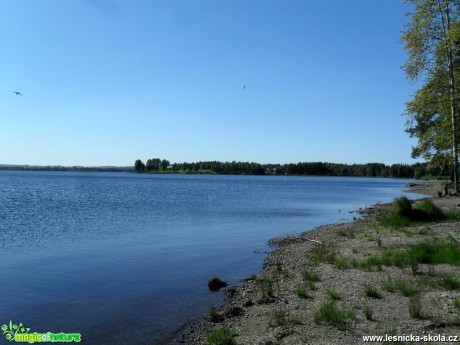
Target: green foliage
(139,166)
(157,165)
(330,313)
(431,49)
(222,336)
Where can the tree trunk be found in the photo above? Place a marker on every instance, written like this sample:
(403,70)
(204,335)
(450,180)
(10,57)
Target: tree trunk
(453,111)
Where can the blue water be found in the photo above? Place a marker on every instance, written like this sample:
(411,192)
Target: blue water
(125,258)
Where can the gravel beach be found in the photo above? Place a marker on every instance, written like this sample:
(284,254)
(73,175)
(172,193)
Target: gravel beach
(327,286)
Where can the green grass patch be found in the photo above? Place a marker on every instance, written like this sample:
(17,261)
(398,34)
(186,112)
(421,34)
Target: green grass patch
(331,314)
(341,263)
(372,291)
(281,317)
(452,215)
(311,275)
(368,264)
(425,211)
(295,320)
(403,207)
(326,254)
(302,291)
(450,282)
(426,231)
(422,253)
(389,285)
(407,289)
(436,253)
(334,294)
(457,303)
(393,220)
(222,336)
(266,289)
(347,233)
(369,313)
(415,308)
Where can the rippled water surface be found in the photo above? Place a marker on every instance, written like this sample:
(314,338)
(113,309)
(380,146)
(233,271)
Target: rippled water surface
(125,258)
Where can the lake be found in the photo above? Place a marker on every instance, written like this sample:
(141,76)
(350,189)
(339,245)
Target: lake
(125,258)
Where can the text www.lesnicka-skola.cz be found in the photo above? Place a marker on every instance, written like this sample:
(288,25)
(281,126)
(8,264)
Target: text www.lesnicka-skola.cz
(411,337)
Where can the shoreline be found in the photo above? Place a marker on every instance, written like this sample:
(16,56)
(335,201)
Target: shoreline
(278,305)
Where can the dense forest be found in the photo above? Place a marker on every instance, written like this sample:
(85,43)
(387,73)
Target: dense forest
(157,165)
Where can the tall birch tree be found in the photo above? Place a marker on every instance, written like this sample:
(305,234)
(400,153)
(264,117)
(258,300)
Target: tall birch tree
(431,39)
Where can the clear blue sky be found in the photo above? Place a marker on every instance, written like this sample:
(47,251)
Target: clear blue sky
(105,82)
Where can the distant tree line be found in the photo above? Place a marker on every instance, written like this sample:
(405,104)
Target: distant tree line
(157,165)
(64,168)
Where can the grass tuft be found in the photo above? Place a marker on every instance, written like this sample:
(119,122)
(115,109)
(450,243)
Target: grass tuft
(331,314)
(450,282)
(311,275)
(408,290)
(301,291)
(415,308)
(389,285)
(334,294)
(372,291)
(222,336)
(369,313)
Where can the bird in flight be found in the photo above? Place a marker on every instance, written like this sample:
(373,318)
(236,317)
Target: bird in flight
(244,86)
(17,93)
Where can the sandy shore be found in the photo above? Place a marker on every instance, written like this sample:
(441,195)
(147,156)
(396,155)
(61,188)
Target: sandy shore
(324,267)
